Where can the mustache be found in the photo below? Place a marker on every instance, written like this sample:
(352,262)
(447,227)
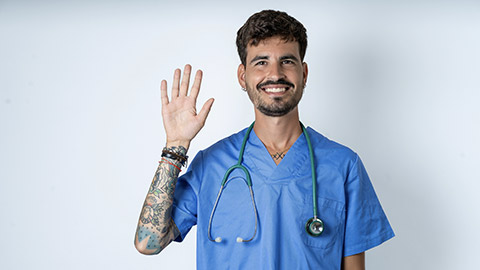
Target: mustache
(281,81)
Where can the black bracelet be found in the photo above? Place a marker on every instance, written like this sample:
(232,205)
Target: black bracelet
(182,159)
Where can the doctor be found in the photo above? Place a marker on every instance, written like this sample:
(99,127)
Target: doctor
(264,229)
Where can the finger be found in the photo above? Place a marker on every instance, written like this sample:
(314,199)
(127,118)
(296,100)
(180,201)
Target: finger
(205,110)
(176,81)
(196,84)
(185,80)
(163,92)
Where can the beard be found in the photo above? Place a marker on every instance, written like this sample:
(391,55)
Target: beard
(276,106)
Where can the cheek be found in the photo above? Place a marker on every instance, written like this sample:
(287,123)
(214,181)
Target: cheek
(252,79)
(300,77)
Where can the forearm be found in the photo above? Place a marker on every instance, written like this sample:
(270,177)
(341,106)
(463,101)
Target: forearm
(156,228)
(354,262)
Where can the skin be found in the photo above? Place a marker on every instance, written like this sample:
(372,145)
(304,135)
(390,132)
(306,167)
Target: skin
(156,228)
(354,262)
(274,60)
(273,63)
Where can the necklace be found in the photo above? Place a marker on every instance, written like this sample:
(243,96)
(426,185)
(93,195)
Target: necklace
(278,155)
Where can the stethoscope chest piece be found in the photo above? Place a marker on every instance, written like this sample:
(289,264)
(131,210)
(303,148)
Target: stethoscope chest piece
(314,226)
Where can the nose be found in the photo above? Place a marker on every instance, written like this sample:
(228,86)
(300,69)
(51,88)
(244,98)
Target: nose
(276,72)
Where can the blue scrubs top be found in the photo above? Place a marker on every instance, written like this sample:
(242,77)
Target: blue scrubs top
(353,217)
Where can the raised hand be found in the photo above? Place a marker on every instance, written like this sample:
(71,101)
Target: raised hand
(180,117)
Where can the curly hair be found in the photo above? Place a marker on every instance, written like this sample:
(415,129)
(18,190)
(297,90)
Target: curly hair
(270,23)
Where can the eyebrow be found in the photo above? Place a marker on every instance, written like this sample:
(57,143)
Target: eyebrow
(265,57)
(290,57)
(259,57)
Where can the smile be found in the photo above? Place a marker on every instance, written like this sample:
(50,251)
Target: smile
(275,89)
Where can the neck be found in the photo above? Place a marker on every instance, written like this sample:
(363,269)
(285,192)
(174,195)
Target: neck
(278,133)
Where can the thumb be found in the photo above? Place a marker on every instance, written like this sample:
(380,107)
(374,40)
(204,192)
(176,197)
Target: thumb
(205,110)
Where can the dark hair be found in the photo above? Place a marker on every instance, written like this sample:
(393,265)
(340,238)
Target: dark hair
(270,23)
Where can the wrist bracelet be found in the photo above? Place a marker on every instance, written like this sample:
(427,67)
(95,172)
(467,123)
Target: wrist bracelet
(177,154)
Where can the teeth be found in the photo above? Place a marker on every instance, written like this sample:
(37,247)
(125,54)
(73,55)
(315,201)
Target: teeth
(275,90)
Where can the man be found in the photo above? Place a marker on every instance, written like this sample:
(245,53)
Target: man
(271,222)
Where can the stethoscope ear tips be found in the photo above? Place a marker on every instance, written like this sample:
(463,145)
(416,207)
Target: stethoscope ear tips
(239,240)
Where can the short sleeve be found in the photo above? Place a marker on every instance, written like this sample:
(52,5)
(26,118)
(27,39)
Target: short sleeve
(184,210)
(366,223)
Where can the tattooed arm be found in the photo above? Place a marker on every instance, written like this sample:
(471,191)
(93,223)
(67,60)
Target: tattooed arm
(156,228)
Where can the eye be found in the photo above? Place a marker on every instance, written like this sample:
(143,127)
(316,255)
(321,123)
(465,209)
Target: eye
(288,62)
(261,63)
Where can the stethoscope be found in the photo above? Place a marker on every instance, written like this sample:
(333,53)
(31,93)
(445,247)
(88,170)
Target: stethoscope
(314,225)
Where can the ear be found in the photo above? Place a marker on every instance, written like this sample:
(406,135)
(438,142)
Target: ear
(241,76)
(305,73)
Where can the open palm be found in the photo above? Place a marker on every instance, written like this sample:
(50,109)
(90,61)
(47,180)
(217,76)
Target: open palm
(180,117)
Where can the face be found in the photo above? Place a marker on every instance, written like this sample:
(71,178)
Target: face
(273,76)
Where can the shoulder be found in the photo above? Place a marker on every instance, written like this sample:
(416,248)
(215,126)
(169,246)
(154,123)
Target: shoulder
(234,139)
(321,142)
(214,157)
(332,151)
(225,147)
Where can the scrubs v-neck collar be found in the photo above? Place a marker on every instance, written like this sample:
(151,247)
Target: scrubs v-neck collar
(290,168)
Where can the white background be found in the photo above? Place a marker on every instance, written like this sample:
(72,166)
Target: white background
(81,131)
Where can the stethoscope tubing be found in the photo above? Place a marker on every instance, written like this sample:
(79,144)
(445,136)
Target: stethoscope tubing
(314,175)
(315,219)
(239,239)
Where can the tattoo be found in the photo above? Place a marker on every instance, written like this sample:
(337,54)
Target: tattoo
(278,155)
(154,212)
(156,241)
(156,228)
(143,232)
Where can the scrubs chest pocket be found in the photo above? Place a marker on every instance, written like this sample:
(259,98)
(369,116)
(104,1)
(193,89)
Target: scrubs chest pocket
(330,212)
